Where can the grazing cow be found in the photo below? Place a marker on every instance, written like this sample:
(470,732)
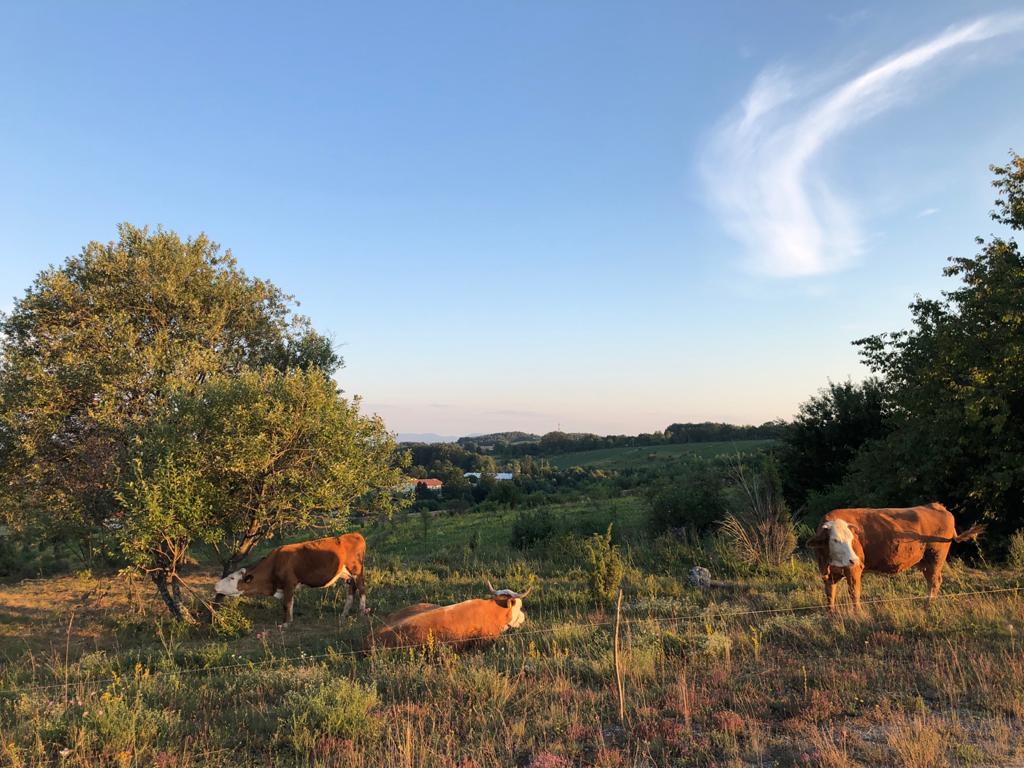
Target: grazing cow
(318,563)
(851,541)
(460,625)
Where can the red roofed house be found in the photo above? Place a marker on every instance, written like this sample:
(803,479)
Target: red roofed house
(432,483)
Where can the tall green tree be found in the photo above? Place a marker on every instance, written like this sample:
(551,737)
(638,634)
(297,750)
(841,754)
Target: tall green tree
(95,348)
(242,458)
(827,432)
(956,382)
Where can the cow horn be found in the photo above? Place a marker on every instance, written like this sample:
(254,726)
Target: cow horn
(493,590)
(523,596)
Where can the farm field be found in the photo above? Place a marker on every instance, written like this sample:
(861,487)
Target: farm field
(628,458)
(750,674)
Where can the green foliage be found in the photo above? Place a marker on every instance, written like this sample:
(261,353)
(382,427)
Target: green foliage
(605,566)
(625,457)
(826,434)
(532,527)
(337,708)
(30,553)
(169,505)
(257,453)
(152,395)
(1015,555)
(98,345)
(692,500)
(758,529)
(229,621)
(956,382)
(121,724)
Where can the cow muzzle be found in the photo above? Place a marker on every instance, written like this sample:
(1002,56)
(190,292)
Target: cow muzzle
(228,586)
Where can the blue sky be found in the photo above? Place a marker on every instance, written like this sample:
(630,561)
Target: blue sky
(599,216)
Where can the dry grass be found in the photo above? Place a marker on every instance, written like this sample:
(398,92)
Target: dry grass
(905,685)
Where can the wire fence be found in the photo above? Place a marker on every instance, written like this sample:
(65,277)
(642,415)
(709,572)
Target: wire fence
(704,615)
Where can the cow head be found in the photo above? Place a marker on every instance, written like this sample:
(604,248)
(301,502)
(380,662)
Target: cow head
(235,584)
(841,540)
(513,601)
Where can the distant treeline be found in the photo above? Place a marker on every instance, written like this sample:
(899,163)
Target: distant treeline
(514,444)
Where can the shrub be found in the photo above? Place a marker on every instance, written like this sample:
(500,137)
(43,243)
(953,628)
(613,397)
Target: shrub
(691,501)
(118,724)
(336,709)
(229,621)
(1015,557)
(605,566)
(532,527)
(759,529)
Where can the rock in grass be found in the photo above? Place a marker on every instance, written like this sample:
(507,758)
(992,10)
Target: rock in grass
(700,577)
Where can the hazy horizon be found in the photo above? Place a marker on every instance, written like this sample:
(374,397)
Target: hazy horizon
(600,218)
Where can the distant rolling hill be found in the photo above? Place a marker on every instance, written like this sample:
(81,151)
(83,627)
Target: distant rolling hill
(623,458)
(425,437)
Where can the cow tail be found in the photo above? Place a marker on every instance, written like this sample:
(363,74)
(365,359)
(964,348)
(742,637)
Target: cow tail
(971,533)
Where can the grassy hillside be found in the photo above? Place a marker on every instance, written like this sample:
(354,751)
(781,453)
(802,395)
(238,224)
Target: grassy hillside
(623,458)
(749,674)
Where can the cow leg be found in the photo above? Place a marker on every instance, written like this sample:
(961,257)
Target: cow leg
(288,602)
(351,587)
(361,588)
(853,582)
(830,591)
(931,567)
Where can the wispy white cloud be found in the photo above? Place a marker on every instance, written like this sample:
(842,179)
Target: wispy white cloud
(759,165)
(927,212)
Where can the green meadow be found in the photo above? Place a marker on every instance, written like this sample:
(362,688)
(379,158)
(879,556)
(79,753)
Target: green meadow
(750,673)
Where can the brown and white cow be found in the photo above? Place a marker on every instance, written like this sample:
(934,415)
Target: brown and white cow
(851,541)
(319,563)
(459,625)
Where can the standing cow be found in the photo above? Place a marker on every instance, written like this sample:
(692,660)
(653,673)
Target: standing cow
(459,625)
(850,541)
(319,563)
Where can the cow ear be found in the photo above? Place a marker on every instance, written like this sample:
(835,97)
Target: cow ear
(503,600)
(247,579)
(857,530)
(819,539)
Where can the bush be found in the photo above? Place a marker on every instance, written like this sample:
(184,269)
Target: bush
(338,708)
(531,528)
(605,566)
(229,621)
(690,501)
(1015,557)
(759,529)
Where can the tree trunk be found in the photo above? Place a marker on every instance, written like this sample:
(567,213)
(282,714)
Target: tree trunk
(170,592)
(160,580)
(183,611)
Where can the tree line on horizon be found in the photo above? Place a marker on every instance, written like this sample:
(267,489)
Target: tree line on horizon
(513,444)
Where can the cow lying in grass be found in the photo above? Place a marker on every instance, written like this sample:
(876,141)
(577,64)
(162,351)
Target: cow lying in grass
(851,541)
(319,563)
(460,625)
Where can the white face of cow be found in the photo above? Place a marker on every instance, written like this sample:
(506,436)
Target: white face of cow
(840,544)
(229,585)
(518,616)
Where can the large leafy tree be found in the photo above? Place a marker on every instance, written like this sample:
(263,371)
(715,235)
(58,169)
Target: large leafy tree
(956,381)
(241,458)
(826,434)
(98,345)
